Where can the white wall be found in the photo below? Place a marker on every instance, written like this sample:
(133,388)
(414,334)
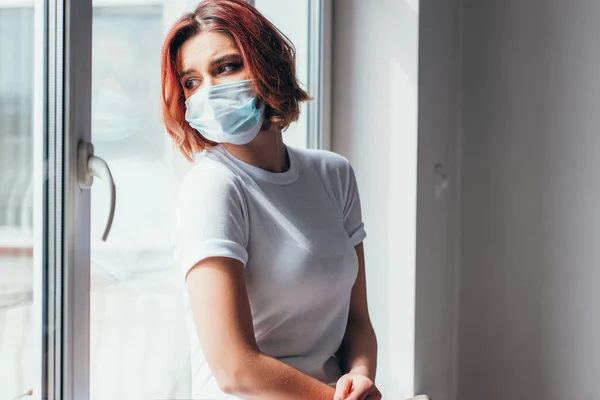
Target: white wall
(375,126)
(530,314)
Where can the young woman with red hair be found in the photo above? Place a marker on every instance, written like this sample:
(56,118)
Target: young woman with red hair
(268,237)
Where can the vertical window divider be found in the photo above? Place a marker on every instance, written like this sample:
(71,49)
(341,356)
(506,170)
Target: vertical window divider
(40,192)
(319,73)
(67,236)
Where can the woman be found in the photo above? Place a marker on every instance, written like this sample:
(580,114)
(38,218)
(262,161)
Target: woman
(268,237)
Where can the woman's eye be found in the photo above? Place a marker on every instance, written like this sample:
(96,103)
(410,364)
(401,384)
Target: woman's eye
(190,83)
(226,68)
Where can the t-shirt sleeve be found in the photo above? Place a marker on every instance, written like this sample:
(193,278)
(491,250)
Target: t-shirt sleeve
(210,220)
(351,210)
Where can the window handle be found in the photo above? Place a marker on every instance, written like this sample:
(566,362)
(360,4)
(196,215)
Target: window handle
(90,166)
(26,394)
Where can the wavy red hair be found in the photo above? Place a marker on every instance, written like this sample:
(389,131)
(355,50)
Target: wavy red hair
(268,55)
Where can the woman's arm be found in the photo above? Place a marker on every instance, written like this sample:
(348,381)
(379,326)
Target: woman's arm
(221,312)
(358,352)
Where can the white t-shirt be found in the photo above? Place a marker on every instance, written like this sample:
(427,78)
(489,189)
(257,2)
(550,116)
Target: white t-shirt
(295,233)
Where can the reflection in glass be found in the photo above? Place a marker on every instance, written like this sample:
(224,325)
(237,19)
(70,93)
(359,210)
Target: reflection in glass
(138,346)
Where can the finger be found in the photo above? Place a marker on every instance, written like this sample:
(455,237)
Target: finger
(360,389)
(370,393)
(375,395)
(342,388)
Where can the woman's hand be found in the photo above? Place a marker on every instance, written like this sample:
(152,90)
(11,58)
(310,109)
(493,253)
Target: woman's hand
(356,387)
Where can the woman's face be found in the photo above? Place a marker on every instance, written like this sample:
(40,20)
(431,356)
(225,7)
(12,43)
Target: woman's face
(208,59)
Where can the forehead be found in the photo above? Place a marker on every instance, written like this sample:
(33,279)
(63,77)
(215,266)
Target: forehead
(200,49)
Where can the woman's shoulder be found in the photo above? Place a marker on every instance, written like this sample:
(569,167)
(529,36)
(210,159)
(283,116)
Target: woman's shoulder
(324,160)
(209,174)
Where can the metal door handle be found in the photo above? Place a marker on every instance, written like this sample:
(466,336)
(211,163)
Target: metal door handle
(88,166)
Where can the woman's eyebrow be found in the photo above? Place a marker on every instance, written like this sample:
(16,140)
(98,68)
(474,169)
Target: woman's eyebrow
(187,72)
(219,60)
(226,57)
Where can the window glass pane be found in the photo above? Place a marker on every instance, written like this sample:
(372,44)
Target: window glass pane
(291,18)
(18,367)
(138,340)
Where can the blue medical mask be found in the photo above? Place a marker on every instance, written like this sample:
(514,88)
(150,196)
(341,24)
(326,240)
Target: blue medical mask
(225,113)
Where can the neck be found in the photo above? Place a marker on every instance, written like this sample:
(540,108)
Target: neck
(266,151)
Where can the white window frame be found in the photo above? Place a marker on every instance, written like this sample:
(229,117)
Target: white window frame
(319,74)
(67,121)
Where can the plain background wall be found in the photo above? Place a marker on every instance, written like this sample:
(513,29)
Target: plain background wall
(530,314)
(374,103)
(508,96)
(384,52)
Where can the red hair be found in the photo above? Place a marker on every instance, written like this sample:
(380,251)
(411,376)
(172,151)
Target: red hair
(268,55)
